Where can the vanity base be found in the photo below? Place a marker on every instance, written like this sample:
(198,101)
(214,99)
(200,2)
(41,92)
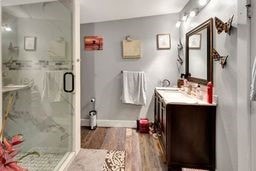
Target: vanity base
(187,135)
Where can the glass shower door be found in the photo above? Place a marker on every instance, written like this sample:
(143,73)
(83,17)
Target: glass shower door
(38,81)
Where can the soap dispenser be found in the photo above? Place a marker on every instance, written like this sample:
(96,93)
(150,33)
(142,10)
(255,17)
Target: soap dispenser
(199,92)
(180,81)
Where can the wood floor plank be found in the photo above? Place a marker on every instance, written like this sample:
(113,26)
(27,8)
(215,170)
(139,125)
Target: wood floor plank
(94,139)
(129,150)
(114,139)
(142,150)
(133,161)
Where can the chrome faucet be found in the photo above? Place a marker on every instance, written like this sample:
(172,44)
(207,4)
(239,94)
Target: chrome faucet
(166,83)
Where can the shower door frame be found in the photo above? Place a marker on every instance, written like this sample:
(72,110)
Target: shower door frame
(76,71)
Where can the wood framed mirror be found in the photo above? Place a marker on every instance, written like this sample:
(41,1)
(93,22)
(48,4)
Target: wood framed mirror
(199,46)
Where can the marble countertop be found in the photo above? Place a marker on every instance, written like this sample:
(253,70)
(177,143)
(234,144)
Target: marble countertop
(176,96)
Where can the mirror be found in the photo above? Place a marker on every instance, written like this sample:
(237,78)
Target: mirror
(199,45)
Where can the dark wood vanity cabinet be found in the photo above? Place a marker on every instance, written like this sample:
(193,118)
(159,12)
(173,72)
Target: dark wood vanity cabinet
(187,134)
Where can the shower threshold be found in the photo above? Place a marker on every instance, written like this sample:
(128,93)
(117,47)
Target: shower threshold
(47,161)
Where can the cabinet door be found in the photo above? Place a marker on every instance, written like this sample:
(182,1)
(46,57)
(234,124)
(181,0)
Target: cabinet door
(191,136)
(164,125)
(160,114)
(156,120)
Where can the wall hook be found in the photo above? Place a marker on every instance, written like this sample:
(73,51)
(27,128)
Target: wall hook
(221,26)
(216,57)
(128,38)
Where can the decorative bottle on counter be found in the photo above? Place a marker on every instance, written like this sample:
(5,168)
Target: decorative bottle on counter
(209,92)
(199,92)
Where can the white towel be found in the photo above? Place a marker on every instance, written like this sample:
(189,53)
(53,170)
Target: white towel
(253,83)
(52,86)
(134,88)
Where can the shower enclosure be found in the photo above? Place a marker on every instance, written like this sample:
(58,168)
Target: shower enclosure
(38,82)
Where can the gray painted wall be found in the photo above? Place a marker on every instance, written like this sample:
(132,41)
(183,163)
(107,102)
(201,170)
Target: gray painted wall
(101,70)
(225,80)
(253,111)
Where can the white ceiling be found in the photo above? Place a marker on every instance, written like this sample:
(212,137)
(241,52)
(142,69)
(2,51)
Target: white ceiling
(106,10)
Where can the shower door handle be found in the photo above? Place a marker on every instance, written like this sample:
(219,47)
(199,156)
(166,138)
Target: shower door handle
(68,74)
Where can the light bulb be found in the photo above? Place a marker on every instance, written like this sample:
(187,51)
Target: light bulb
(203,2)
(178,24)
(192,13)
(184,18)
(8,29)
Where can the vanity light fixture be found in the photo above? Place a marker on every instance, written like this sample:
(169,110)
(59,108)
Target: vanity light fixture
(192,12)
(203,2)
(178,24)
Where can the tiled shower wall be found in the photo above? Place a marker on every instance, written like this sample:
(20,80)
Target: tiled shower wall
(38,65)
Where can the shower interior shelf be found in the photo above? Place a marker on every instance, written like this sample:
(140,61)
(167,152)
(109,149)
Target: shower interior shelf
(10,88)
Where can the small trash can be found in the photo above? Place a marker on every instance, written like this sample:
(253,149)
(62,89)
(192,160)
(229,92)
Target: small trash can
(93,120)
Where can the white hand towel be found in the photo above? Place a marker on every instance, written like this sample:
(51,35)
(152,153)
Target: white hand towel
(253,83)
(134,88)
(52,86)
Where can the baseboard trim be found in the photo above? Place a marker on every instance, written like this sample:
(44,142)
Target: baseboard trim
(111,123)
(84,122)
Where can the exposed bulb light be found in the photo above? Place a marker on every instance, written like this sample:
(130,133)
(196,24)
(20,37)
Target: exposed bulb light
(184,18)
(8,29)
(178,24)
(192,13)
(202,2)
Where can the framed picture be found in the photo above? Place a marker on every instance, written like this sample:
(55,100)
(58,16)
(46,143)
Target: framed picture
(30,43)
(163,41)
(131,49)
(92,43)
(195,41)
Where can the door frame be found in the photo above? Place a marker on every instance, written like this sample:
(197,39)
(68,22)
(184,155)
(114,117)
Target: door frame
(76,63)
(243,88)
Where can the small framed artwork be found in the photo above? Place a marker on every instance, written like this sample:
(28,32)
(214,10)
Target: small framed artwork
(195,41)
(92,43)
(131,49)
(163,41)
(30,43)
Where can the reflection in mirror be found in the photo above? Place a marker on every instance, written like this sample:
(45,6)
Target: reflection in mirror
(199,64)
(197,53)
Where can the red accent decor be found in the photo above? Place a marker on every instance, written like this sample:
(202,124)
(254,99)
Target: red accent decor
(144,125)
(209,92)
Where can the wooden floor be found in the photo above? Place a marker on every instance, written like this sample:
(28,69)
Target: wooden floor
(142,150)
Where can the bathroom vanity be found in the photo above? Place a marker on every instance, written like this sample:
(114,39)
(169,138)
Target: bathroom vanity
(187,129)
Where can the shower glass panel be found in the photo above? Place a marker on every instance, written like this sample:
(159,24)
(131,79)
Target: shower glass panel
(36,54)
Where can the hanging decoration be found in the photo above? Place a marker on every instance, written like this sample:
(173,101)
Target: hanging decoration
(221,26)
(216,57)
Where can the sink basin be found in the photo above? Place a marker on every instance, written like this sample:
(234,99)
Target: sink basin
(174,96)
(177,97)
(12,87)
(167,88)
